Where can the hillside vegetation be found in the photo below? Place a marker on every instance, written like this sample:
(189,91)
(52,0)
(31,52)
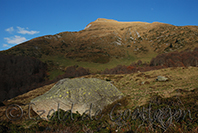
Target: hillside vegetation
(107,41)
(31,73)
(140,89)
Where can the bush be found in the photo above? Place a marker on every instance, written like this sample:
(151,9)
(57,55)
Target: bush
(176,59)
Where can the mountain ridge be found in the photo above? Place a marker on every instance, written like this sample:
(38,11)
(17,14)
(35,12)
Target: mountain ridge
(105,39)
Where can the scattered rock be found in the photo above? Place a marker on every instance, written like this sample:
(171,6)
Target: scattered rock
(143,82)
(161,78)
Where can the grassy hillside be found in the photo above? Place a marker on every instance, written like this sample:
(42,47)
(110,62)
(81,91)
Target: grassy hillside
(108,43)
(140,89)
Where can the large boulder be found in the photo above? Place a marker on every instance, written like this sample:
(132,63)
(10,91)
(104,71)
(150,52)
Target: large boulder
(81,92)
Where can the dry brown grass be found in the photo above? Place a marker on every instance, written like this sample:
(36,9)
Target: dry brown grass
(137,93)
(132,84)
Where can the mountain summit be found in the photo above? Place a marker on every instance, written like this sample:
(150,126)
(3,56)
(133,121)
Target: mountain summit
(105,20)
(106,39)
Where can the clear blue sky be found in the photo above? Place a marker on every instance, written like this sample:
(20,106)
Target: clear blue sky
(22,20)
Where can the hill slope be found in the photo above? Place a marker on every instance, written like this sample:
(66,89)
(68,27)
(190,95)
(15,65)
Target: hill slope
(140,89)
(104,39)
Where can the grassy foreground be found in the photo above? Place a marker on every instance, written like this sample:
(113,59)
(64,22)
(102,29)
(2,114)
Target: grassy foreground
(173,106)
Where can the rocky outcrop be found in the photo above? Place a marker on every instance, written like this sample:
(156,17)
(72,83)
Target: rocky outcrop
(83,93)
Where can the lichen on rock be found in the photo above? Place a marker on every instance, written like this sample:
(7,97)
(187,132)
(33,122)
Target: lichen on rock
(81,92)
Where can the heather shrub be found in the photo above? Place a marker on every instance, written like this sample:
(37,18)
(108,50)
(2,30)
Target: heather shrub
(176,59)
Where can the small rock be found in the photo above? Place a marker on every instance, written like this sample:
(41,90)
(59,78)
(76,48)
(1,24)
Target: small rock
(161,78)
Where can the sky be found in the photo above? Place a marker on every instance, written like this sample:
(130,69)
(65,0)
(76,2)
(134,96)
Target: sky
(23,20)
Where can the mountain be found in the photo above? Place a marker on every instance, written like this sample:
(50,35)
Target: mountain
(104,40)
(104,44)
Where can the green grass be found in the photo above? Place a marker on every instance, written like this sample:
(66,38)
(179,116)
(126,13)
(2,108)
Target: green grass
(54,74)
(60,61)
(146,57)
(94,67)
